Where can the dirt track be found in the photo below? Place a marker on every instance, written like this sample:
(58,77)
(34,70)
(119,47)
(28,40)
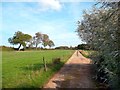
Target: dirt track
(76,73)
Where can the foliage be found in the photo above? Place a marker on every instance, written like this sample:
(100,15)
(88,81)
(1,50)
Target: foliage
(28,41)
(25,69)
(20,38)
(45,40)
(100,29)
(5,48)
(37,39)
(41,38)
(56,60)
(51,43)
(83,47)
(62,47)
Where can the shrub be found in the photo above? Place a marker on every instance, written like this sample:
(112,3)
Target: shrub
(56,60)
(5,48)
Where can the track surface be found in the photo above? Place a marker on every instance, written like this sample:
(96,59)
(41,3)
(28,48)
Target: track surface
(76,73)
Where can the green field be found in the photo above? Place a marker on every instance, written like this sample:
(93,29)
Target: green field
(25,69)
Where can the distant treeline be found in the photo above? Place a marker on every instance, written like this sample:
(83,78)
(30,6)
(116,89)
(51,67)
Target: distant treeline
(6,48)
(84,47)
(65,47)
(80,46)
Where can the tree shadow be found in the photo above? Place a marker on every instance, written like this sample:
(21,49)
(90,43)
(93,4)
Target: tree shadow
(75,76)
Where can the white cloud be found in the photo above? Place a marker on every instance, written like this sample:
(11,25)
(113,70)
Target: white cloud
(43,5)
(50,4)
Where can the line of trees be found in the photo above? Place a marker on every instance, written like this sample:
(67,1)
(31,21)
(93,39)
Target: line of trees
(83,47)
(100,29)
(27,40)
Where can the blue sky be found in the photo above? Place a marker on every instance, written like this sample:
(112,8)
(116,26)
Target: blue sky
(52,17)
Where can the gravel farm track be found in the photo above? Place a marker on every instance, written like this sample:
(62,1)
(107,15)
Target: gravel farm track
(76,73)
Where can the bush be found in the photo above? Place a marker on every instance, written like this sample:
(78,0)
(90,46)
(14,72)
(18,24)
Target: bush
(62,47)
(56,60)
(5,48)
(100,29)
(83,47)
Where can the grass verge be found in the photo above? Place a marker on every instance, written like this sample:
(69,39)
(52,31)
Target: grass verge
(88,53)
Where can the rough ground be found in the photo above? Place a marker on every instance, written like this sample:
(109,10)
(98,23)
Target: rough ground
(76,73)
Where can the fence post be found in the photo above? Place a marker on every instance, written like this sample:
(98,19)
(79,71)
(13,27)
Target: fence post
(45,67)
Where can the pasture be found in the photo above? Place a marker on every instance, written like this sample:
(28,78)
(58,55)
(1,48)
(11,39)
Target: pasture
(25,69)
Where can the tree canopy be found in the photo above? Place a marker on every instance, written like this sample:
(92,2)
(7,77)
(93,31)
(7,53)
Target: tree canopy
(26,39)
(20,38)
(43,39)
(37,39)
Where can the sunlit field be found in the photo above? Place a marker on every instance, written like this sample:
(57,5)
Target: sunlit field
(25,69)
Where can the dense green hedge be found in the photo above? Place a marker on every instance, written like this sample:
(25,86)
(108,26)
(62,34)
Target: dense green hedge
(100,29)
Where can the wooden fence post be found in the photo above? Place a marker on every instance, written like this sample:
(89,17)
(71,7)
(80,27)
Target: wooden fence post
(45,67)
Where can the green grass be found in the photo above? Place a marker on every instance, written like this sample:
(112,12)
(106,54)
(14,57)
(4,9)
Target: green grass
(26,70)
(88,53)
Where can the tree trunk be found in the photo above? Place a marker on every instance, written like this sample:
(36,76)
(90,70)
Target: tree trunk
(19,47)
(36,46)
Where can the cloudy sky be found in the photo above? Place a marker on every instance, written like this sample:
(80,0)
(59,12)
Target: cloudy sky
(52,17)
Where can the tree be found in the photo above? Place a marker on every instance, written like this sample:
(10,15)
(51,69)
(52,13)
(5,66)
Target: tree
(45,40)
(20,38)
(51,43)
(83,47)
(37,39)
(41,38)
